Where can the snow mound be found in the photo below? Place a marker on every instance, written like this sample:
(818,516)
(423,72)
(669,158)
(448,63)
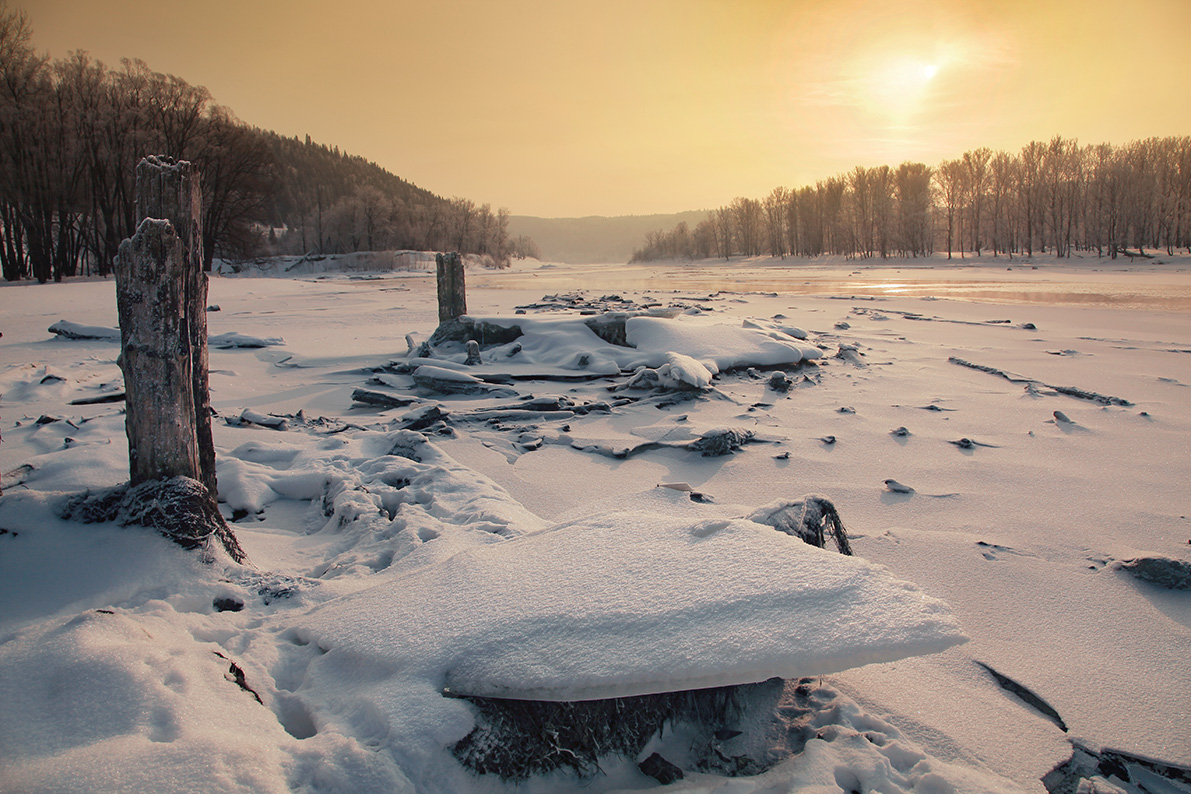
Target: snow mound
(716,345)
(630,603)
(71,330)
(685,371)
(683,351)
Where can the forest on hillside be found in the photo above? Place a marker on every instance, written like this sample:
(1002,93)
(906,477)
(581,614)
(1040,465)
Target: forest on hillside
(73,130)
(1055,197)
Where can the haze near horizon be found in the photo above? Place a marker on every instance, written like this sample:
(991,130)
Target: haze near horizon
(617,108)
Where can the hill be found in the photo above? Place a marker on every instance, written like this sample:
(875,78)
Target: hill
(594,239)
(73,130)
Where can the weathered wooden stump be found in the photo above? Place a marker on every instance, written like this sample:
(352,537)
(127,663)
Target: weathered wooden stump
(452,297)
(156,355)
(161,295)
(171,191)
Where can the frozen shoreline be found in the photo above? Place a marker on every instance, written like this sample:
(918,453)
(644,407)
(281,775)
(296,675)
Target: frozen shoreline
(1024,553)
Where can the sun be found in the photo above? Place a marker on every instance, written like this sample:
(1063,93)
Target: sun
(898,86)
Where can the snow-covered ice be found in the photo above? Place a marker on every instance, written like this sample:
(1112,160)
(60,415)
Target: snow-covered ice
(125,664)
(634,602)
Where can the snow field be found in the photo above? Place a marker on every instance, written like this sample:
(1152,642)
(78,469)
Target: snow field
(352,511)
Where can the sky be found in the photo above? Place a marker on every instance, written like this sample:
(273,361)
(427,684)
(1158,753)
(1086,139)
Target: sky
(562,108)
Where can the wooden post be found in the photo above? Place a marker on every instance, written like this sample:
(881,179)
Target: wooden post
(452,294)
(161,293)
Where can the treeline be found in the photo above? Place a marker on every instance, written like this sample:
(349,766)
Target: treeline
(1055,197)
(73,130)
(325,201)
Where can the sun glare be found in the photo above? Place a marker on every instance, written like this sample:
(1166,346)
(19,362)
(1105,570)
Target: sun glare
(898,86)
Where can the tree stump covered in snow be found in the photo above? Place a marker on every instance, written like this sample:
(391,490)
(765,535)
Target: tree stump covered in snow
(452,298)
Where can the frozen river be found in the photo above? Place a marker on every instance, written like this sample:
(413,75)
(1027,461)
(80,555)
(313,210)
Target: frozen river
(1163,286)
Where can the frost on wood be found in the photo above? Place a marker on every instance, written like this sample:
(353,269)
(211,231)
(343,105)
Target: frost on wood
(721,441)
(1089,771)
(516,739)
(179,508)
(813,520)
(449,381)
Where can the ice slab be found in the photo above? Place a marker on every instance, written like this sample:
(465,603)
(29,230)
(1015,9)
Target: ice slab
(628,603)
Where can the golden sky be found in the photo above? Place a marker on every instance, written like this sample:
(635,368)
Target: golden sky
(613,107)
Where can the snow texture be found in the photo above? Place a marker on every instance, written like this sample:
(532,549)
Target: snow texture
(123,669)
(634,603)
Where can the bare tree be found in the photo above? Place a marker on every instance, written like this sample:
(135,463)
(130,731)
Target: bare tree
(23,81)
(723,231)
(1002,186)
(774,206)
(747,219)
(913,182)
(463,216)
(882,187)
(831,193)
(976,184)
(861,212)
(810,221)
(1062,171)
(951,178)
(793,222)
(1030,181)
(703,239)
(237,179)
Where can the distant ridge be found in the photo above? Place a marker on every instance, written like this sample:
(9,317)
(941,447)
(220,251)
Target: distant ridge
(595,238)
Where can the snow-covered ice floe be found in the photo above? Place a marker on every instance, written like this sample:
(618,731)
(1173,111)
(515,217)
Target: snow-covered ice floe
(687,350)
(632,602)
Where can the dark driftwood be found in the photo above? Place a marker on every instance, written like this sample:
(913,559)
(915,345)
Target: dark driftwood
(452,298)
(812,519)
(381,399)
(99,399)
(1070,391)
